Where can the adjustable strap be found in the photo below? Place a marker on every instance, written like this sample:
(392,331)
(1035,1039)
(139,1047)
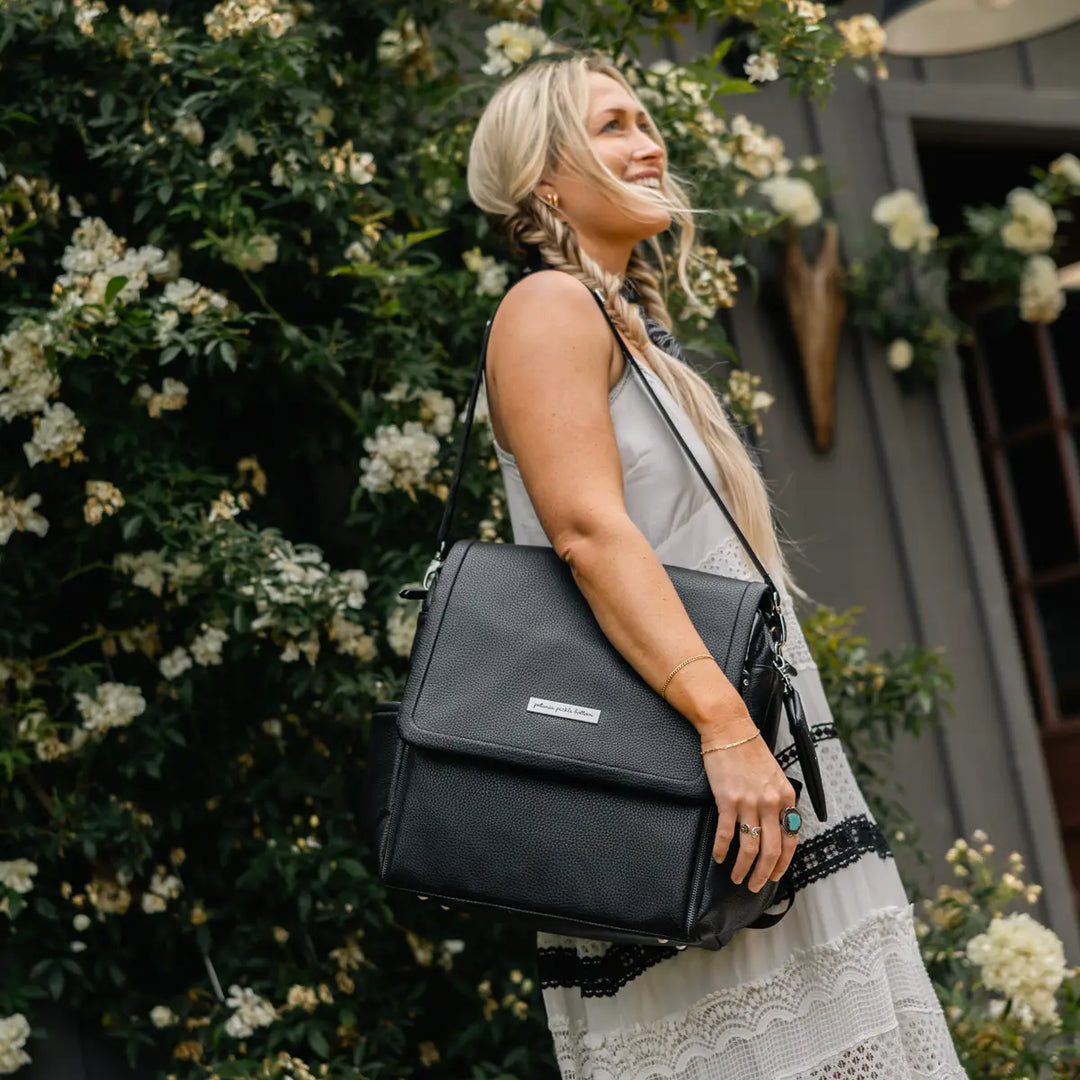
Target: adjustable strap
(470,412)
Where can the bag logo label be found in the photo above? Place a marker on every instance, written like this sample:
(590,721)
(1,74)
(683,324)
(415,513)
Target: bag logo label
(561,708)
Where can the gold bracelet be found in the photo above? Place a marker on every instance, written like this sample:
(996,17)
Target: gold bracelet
(728,746)
(677,668)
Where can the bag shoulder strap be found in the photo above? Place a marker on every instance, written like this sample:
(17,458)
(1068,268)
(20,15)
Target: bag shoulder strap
(442,545)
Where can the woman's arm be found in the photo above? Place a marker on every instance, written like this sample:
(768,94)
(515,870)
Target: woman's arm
(548,362)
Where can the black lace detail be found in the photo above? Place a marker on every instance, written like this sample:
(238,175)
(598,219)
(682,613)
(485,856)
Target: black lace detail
(599,976)
(606,974)
(819,733)
(836,849)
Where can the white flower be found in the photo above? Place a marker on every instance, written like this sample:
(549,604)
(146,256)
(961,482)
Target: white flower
(401,626)
(26,380)
(762,67)
(113,705)
(755,152)
(1024,960)
(81,922)
(161,1016)
(164,324)
(14,1031)
(794,198)
(252,253)
(510,44)
(863,35)
(206,648)
(400,457)
(18,875)
(172,396)
(492,275)
(355,583)
(249,1012)
(221,158)
(147,569)
(57,435)
(1031,225)
(20,515)
(191,298)
(904,215)
(282,172)
(1068,166)
(189,129)
(153,904)
(436,412)
(1041,295)
(272,728)
(173,664)
(398,44)
(900,354)
(245,143)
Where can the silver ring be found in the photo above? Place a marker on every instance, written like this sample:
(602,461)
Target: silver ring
(752,830)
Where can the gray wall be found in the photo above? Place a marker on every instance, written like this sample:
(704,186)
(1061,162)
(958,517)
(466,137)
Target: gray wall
(895,517)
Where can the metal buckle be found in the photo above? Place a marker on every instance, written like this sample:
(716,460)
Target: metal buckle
(431,574)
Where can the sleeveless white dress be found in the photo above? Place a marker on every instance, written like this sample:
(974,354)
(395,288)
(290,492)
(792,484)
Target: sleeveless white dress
(837,990)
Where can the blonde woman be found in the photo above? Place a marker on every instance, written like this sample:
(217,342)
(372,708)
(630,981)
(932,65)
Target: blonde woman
(566,160)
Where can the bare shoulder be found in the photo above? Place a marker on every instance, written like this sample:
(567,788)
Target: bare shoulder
(553,308)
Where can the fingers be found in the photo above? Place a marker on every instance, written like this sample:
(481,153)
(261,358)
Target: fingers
(787,853)
(748,845)
(725,829)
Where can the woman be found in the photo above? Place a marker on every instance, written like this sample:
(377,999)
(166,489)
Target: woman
(566,160)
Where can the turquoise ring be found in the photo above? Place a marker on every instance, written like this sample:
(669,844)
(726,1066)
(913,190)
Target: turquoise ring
(790,820)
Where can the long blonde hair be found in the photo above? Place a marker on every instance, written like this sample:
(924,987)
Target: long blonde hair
(538,117)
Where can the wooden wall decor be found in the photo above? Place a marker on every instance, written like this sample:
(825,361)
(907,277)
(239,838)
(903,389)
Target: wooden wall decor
(816,305)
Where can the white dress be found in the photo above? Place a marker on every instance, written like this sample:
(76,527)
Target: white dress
(837,990)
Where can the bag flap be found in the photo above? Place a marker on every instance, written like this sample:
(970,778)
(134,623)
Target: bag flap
(509,664)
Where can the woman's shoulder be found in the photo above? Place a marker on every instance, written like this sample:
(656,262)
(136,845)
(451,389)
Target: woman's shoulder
(552,304)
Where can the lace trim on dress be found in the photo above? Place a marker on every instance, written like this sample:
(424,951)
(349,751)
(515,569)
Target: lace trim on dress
(819,733)
(859,1007)
(599,970)
(729,560)
(836,849)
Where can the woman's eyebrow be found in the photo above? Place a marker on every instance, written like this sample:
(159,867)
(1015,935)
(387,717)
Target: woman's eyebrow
(621,110)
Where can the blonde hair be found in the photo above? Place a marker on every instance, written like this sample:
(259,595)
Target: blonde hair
(538,118)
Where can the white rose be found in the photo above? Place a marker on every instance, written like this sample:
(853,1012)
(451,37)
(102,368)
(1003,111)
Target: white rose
(900,354)
(18,875)
(161,1016)
(904,215)
(1068,166)
(153,904)
(172,665)
(14,1031)
(793,198)
(1032,226)
(189,129)
(1041,296)
(81,922)
(762,67)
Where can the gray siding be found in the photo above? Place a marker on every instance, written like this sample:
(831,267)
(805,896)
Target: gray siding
(895,517)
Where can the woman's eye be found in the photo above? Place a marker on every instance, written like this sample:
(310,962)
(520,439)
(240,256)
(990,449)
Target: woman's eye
(611,125)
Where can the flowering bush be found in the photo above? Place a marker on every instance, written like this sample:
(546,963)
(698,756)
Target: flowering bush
(1012,1002)
(900,291)
(243,290)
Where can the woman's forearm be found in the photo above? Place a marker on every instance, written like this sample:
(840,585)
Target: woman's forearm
(641,614)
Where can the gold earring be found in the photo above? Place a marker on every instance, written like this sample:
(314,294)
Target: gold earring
(552,199)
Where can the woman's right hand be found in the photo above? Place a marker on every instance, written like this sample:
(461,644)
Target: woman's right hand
(750,789)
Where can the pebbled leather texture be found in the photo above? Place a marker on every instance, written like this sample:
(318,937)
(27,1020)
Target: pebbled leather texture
(602,830)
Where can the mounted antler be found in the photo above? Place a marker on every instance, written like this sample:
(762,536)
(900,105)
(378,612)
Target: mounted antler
(816,304)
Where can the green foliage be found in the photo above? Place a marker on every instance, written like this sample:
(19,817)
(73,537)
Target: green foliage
(875,699)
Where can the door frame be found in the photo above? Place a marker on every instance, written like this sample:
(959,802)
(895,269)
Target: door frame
(901,107)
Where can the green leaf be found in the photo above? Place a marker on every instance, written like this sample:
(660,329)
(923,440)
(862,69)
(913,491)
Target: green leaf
(114,287)
(317,1042)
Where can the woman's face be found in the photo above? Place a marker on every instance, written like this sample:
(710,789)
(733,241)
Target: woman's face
(625,143)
